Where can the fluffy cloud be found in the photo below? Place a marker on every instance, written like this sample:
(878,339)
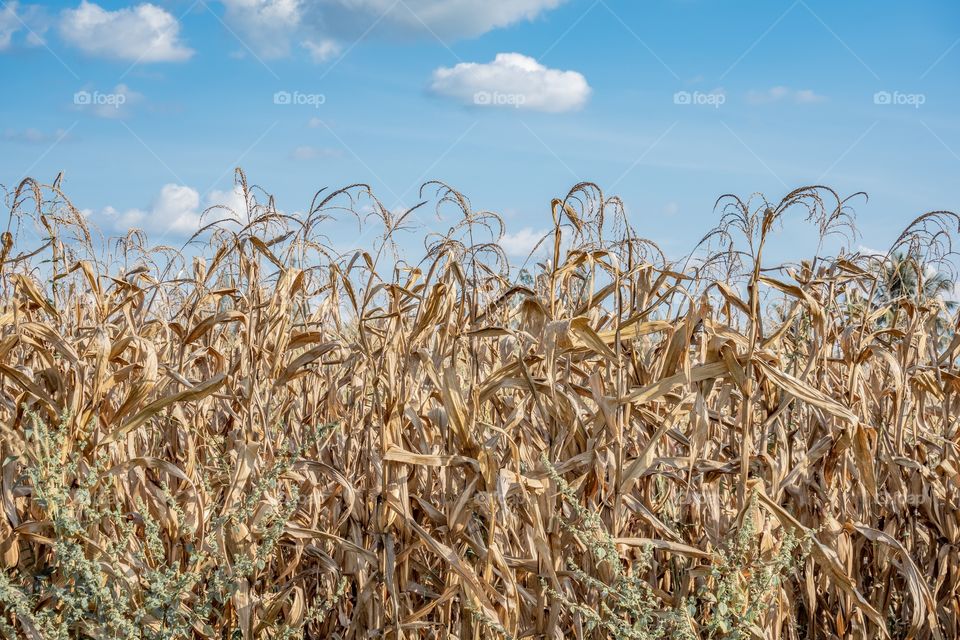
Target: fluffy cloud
(784,94)
(512,80)
(269,26)
(144,33)
(445,18)
(869,251)
(265,25)
(807,96)
(9,24)
(176,211)
(322,50)
(30,19)
(521,243)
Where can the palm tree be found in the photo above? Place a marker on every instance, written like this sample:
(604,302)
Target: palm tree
(904,277)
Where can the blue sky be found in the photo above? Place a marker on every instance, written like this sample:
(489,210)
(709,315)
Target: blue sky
(667,103)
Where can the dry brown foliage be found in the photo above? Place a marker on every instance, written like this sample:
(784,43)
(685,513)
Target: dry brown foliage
(273,419)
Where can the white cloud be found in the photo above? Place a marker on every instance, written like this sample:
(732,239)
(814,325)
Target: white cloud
(230,204)
(303,152)
(449,18)
(512,80)
(868,251)
(671,208)
(269,26)
(521,243)
(322,50)
(807,96)
(266,25)
(30,19)
(175,211)
(9,24)
(144,33)
(784,94)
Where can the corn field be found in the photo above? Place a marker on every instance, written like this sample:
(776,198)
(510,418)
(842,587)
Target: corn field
(258,436)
